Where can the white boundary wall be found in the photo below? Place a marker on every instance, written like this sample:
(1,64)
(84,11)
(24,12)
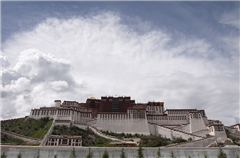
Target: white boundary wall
(81,152)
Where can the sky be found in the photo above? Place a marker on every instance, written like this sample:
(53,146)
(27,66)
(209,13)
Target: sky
(185,54)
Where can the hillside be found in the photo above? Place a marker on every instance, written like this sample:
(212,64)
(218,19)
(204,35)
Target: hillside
(27,126)
(5,139)
(88,138)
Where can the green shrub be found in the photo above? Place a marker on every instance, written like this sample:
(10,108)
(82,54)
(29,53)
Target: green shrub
(19,155)
(172,155)
(159,153)
(38,155)
(90,154)
(178,140)
(3,155)
(105,154)
(122,155)
(73,154)
(140,152)
(221,154)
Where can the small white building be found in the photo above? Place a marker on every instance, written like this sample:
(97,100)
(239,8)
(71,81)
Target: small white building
(217,130)
(56,140)
(236,127)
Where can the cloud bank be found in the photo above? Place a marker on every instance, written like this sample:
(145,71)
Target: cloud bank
(101,55)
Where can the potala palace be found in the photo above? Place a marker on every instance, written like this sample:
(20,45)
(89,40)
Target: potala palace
(122,114)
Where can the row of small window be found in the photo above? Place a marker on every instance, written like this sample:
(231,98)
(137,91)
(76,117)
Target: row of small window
(113,116)
(168,118)
(177,112)
(218,128)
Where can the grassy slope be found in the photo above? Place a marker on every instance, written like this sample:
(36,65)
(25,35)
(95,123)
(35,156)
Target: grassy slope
(89,138)
(5,139)
(28,127)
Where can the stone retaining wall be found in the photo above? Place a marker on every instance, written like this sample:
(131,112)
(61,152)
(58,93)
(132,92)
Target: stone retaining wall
(81,152)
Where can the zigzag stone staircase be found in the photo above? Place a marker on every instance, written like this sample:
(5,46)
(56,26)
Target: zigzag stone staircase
(96,131)
(200,141)
(48,134)
(204,142)
(189,134)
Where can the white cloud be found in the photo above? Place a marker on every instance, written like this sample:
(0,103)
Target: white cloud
(19,86)
(5,61)
(231,18)
(34,81)
(59,85)
(103,56)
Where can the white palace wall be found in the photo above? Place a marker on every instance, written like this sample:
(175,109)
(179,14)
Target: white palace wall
(167,120)
(153,129)
(61,114)
(122,123)
(38,113)
(196,122)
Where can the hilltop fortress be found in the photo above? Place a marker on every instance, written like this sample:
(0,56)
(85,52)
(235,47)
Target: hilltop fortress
(122,114)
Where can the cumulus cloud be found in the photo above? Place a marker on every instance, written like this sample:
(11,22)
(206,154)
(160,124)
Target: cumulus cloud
(18,86)
(5,61)
(35,79)
(59,85)
(104,56)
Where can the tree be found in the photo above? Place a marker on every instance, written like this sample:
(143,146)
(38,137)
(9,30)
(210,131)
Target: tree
(122,154)
(221,154)
(237,156)
(55,156)
(90,154)
(205,156)
(172,155)
(73,154)
(38,155)
(105,154)
(159,153)
(19,155)
(3,155)
(189,156)
(140,152)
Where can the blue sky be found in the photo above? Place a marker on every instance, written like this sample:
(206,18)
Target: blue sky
(182,53)
(193,18)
